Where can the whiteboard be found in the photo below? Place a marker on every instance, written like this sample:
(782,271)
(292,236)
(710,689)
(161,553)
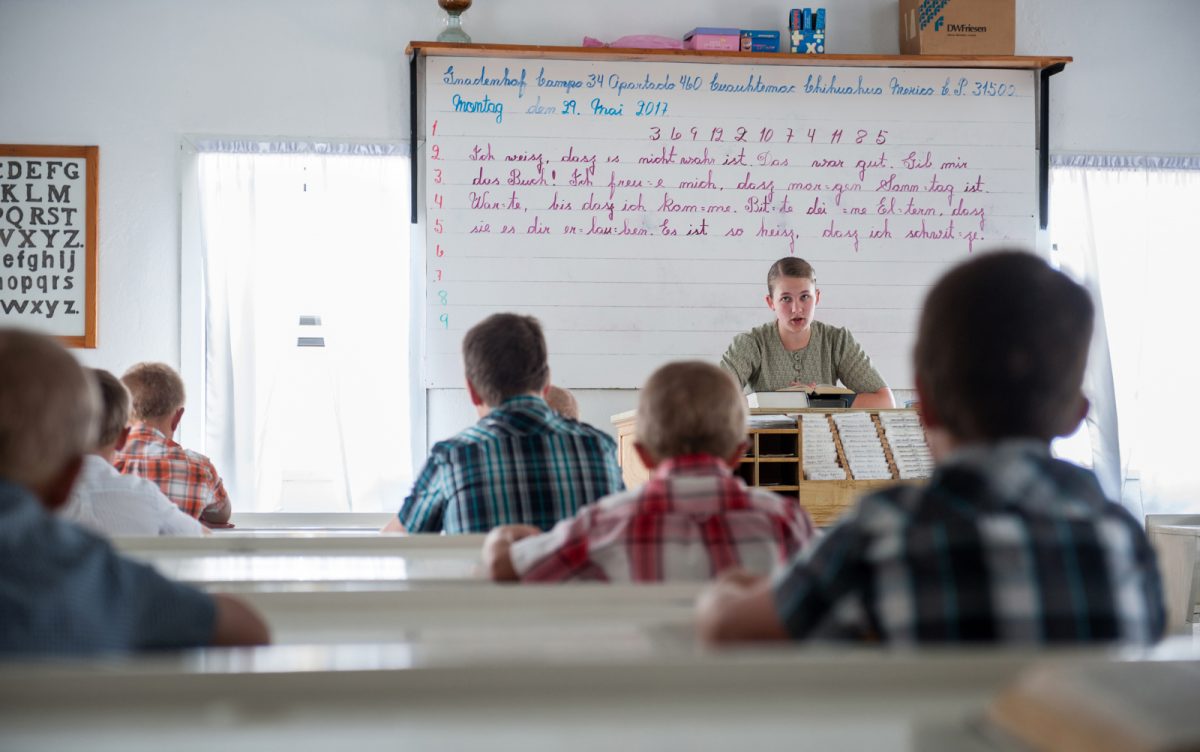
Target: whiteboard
(634,207)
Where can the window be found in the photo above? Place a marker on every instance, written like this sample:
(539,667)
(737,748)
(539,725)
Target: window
(301,335)
(1126,227)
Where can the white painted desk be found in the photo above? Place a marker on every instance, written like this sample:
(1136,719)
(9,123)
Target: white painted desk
(325,521)
(290,558)
(462,612)
(625,689)
(302,542)
(1176,539)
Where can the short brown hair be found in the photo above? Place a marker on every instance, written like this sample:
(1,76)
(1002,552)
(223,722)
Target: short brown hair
(789,266)
(48,408)
(504,356)
(114,407)
(691,407)
(1002,346)
(156,389)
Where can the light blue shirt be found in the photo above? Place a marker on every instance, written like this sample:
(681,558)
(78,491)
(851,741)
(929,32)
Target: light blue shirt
(64,590)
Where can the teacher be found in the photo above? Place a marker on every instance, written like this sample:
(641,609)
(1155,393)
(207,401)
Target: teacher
(796,350)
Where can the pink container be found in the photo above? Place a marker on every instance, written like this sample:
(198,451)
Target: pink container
(707,38)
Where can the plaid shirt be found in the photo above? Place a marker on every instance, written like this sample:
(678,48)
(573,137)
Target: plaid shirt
(1005,544)
(187,478)
(692,519)
(522,463)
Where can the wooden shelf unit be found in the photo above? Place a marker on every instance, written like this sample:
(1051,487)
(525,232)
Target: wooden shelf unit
(1019,62)
(779,467)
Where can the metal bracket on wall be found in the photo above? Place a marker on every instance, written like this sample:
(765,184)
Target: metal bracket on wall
(1044,142)
(413,162)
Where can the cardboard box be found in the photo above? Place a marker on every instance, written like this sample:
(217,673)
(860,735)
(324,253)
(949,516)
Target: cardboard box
(756,40)
(958,27)
(708,38)
(806,28)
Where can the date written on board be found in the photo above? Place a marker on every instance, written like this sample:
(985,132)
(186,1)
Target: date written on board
(768,135)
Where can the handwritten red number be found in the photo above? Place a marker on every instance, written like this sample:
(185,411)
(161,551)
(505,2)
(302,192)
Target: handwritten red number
(439,252)
(434,133)
(437,152)
(437,199)
(437,176)
(437,226)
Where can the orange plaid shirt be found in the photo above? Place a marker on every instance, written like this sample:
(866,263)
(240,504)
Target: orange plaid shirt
(187,478)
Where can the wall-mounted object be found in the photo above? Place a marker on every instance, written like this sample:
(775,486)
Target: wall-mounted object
(48,240)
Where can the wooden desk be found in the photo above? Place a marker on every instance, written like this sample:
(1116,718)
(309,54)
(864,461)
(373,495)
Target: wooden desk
(1176,540)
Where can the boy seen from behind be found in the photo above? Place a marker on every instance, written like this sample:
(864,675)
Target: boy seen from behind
(690,521)
(1005,544)
(62,589)
(187,478)
(522,462)
(109,503)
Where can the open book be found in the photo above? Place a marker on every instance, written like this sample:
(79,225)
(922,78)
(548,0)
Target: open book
(797,397)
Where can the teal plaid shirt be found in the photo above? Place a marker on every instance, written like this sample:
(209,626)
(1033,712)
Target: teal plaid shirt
(522,463)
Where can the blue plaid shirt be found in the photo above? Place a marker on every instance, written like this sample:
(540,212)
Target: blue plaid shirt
(522,463)
(1005,544)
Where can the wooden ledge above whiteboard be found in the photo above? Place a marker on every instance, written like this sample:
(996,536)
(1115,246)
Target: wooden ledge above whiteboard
(1020,62)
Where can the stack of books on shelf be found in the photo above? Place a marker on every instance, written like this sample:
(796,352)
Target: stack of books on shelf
(772,421)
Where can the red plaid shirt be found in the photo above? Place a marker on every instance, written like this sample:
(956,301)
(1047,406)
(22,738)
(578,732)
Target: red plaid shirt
(187,478)
(690,521)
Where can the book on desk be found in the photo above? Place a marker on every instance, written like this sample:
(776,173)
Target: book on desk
(800,397)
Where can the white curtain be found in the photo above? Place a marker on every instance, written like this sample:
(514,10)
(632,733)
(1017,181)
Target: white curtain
(291,232)
(1128,227)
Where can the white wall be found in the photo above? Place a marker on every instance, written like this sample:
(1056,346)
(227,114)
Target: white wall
(134,76)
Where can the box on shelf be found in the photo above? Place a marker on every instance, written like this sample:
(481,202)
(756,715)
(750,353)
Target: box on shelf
(710,38)
(958,27)
(807,29)
(760,40)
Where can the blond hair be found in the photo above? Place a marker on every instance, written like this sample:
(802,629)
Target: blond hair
(691,407)
(114,407)
(156,389)
(49,409)
(562,402)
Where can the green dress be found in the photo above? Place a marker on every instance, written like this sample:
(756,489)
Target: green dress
(758,360)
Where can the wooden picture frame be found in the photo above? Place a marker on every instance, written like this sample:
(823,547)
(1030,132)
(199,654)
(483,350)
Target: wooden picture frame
(48,240)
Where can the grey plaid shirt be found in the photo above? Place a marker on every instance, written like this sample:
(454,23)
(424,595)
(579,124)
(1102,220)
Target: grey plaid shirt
(1005,544)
